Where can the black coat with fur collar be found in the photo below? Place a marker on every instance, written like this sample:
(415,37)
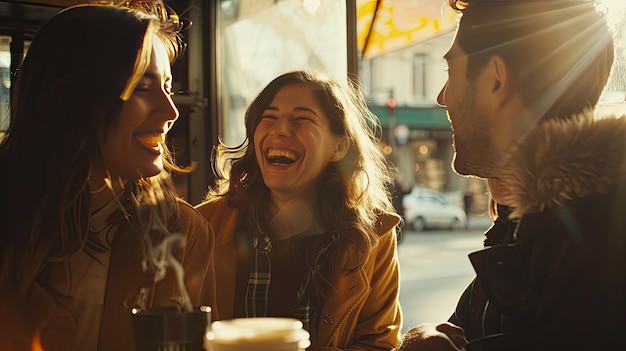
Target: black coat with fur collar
(553,274)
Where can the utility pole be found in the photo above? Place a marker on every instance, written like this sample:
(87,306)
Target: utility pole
(391,123)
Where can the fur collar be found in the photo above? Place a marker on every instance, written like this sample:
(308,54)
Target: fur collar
(565,159)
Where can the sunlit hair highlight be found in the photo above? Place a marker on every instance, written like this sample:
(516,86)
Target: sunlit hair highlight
(141,63)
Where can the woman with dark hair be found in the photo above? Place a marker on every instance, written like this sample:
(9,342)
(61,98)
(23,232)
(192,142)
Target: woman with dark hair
(89,214)
(303,219)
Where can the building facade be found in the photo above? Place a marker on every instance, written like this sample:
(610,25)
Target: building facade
(402,89)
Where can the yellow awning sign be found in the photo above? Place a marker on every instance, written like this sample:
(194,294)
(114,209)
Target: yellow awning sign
(401,23)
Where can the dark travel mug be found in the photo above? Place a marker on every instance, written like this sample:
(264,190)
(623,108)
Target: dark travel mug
(170,328)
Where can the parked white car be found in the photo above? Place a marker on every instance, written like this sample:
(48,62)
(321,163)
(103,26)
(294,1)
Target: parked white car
(426,208)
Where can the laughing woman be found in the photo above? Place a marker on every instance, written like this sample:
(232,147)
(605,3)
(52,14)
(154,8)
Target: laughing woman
(85,190)
(303,220)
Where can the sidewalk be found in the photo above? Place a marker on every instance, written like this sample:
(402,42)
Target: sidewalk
(479,222)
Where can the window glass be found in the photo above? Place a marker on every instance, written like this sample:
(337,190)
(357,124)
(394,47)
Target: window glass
(613,98)
(261,39)
(5,81)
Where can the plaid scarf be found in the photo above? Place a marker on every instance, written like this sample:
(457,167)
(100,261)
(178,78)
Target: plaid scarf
(260,278)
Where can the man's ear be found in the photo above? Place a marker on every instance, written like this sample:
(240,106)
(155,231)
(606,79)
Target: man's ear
(341,149)
(499,80)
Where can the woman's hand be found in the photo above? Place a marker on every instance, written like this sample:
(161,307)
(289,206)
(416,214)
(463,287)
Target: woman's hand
(431,337)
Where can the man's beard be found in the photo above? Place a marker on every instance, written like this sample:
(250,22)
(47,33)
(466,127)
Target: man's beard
(477,153)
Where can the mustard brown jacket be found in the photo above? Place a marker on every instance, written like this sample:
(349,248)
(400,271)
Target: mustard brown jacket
(36,313)
(364,311)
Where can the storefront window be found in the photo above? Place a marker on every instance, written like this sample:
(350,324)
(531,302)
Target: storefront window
(261,39)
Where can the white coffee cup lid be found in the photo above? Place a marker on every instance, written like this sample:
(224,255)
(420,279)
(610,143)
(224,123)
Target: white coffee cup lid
(258,330)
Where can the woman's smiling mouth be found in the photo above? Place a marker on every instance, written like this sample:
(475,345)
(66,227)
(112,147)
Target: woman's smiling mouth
(281,157)
(151,140)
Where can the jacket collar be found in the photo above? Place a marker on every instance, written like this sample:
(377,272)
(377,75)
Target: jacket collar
(564,159)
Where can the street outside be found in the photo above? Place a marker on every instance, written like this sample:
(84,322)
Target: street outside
(435,269)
